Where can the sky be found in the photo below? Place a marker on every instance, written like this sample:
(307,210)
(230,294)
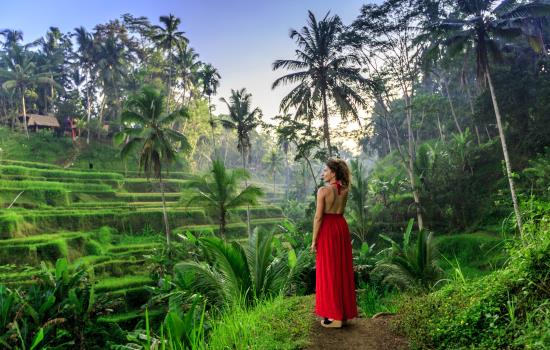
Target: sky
(241,38)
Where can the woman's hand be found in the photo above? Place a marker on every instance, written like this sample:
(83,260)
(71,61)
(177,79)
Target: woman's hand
(314,247)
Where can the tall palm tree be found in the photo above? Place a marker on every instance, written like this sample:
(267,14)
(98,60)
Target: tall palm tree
(21,74)
(325,72)
(85,57)
(243,119)
(169,37)
(187,61)
(53,60)
(273,162)
(147,129)
(210,78)
(220,190)
(480,29)
(112,58)
(11,37)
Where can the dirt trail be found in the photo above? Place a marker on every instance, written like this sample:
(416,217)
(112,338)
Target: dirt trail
(360,333)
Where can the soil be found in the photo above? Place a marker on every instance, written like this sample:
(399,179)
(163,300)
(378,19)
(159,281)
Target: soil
(359,333)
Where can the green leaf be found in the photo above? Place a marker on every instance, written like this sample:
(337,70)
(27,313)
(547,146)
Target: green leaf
(292,258)
(37,338)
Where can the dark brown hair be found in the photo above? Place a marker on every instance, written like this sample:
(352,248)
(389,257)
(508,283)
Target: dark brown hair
(341,170)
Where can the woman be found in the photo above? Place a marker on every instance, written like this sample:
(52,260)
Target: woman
(335,286)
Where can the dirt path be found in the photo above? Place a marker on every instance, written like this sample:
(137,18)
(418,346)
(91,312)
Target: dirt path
(360,333)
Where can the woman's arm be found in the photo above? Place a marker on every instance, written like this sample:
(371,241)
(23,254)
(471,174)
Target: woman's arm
(320,208)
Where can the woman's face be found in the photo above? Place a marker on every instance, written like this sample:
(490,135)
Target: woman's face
(328,174)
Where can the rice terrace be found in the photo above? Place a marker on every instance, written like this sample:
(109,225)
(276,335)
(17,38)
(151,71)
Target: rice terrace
(250,174)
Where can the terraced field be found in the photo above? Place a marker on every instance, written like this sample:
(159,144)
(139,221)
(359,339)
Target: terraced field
(102,220)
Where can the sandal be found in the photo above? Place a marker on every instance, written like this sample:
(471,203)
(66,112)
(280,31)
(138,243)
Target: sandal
(328,323)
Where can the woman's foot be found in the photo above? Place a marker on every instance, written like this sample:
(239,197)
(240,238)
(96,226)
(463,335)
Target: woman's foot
(330,323)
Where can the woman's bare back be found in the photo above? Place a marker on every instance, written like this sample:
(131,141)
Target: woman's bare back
(335,203)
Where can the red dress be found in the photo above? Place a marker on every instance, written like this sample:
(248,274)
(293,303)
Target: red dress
(335,285)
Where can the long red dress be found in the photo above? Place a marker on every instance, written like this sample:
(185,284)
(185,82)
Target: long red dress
(335,285)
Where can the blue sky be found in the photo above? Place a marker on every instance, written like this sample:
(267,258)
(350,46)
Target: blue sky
(241,37)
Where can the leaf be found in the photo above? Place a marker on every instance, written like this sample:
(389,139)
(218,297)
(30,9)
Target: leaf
(61,266)
(37,338)
(47,304)
(407,234)
(292,258)
(365,248)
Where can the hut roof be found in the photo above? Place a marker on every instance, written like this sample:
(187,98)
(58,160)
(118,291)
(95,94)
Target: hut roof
(42,120)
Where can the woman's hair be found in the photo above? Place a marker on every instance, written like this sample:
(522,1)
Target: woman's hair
(341,170)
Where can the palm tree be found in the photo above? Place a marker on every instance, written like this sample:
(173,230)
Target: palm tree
(324,71)
(147,130)
(188,64)
(11,37)
(52,59)
(481,29)
(21,74)
(111,58)
(238,273)
(358,198)
(220,191)
(210,79)
(273,162)
(85,58)
(243,119)
(167,38)
(410,266)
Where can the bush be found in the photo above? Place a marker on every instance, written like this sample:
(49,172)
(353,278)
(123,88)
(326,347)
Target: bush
(508,308)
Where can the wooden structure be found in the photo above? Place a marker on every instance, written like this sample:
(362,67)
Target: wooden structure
(37,122)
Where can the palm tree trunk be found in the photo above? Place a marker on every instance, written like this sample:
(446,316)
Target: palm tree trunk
(88,112)
(441,134)
(452,107)
(410,168)
(169,81)
(325,123)
(287,175)
(248,206)
(24,107)
(222,222)
(212,125)
(471,103)
(164,213)
(504,151)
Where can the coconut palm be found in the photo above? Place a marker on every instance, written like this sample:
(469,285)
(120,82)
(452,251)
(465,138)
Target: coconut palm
(52,58)
(21,74)
(167,38)
(210,79)
(11,37)
(85,58)
(481,29)
(220,190)
(324,71)
(147,129)
(236,273)
(187,62)
(243,119)
(112,58)
(273,162)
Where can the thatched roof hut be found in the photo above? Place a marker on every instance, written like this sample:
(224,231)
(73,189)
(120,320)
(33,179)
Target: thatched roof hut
(41,121)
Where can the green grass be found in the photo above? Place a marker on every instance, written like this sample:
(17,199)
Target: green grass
(476,253)
(372,299)
(278,324)
(506,309)
(115,283)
